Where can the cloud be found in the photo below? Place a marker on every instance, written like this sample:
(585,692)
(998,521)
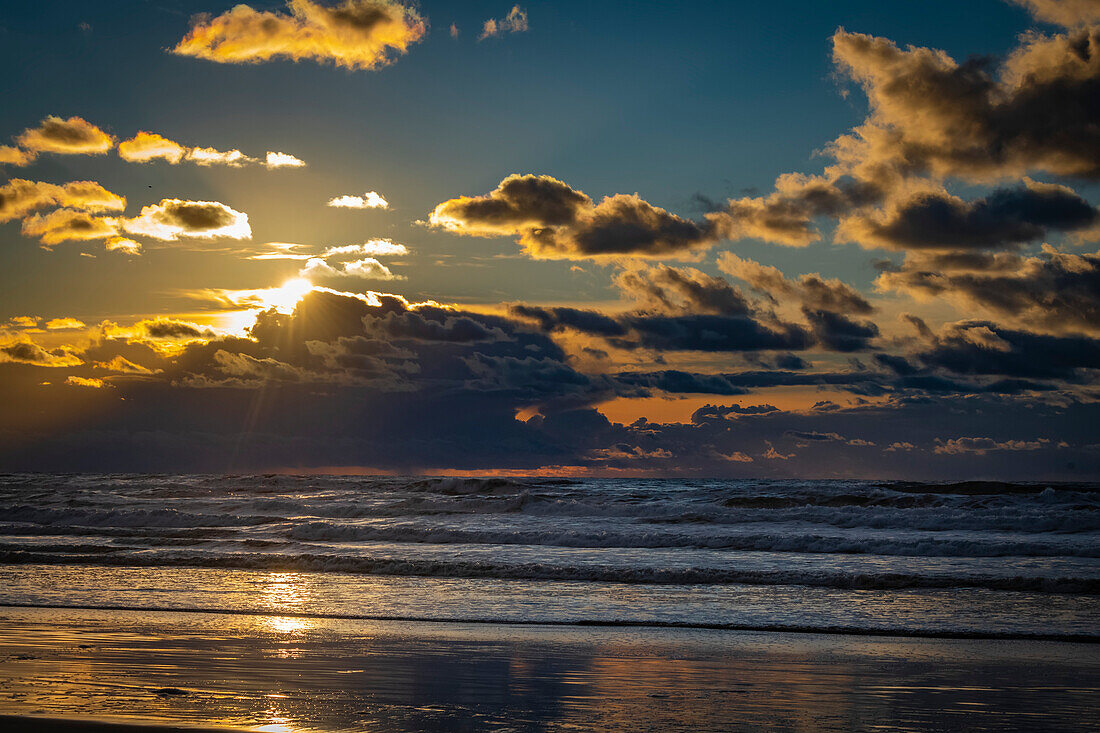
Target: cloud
(87,382)
(983,347)
(24,322)
(64,324)
(811,290)
(1057,290)
(74,136)
(681,290)
(169,328)
(514,22)
(838,332)
(1068,13)
(786,216)
(367,268)
(981,446)
(148,146)
(283,160)
(210,156)
(123,245)
(1005,218)
(26,352)
(369,200)
(353,34)
(68,224)
(18,197)
(930,113)
(555,221)
(10,155)
(173,219)
(370,248)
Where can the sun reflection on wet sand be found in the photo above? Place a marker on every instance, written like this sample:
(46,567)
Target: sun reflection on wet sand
(328,674)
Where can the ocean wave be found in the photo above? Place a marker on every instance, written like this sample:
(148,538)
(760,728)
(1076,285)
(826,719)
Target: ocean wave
(634,537)
(590,573)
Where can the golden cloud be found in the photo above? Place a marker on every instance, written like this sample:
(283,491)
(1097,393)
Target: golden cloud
(173,219)
(74,136)
(15,156)
(148,146)
(123,245)
(354,34)
(68,224)
(18,197)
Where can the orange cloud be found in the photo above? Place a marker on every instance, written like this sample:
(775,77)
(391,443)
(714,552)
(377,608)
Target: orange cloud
(354,34)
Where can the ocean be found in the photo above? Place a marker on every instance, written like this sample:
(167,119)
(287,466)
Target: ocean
(977,559)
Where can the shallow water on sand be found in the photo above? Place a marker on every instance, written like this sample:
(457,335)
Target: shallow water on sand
(299,674)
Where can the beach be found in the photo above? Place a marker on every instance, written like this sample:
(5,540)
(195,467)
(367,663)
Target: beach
(281,673)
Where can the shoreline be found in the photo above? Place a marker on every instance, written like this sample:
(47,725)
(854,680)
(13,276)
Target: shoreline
(241,671)
(599,623)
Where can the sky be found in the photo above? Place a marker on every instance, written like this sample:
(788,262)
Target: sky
(785,239)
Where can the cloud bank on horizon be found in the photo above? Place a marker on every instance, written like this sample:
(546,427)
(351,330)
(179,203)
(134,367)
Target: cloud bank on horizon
(974,351)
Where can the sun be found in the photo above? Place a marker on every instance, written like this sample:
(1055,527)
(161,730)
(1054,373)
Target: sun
(286,296)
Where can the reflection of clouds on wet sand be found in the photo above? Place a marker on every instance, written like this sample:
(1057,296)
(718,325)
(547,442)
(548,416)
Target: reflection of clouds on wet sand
(290,673)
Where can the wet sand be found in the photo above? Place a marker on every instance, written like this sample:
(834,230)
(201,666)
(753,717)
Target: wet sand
(277,673)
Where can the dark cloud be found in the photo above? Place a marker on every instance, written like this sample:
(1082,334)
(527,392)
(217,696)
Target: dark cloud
(558,318)
(31,353)
(985,348)
(552,220)
(837,332)
(981,446)
(1005,218)
(730,412)
(711,333)
(173,329)
(1058,291)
